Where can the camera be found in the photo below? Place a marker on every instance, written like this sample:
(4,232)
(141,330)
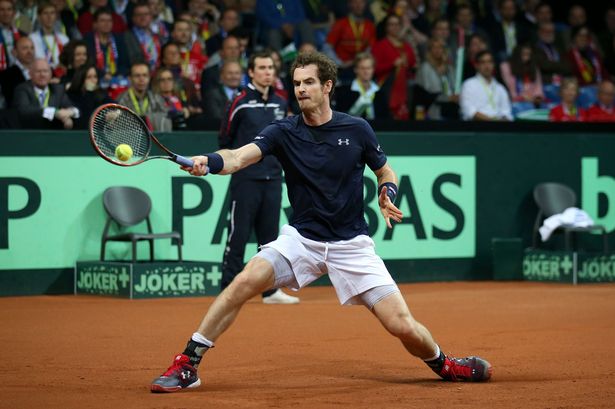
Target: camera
(178,120)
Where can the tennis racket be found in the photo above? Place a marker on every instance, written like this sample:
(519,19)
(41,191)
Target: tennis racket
(112,125)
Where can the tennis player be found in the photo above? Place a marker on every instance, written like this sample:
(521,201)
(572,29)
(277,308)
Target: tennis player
(323,154)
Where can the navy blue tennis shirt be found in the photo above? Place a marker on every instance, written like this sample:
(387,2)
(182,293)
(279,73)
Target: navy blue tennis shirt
(324,167)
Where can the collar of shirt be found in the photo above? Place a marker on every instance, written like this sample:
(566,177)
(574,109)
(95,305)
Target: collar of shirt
(356,86)
(230,92)
(38,91)
(484,80)
(24,70)
(253,88)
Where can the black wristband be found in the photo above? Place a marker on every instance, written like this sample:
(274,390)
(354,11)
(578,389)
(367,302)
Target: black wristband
(215,163)
(391,190)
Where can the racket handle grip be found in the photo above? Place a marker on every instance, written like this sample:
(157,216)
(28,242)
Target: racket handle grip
(184,161)
(187,162)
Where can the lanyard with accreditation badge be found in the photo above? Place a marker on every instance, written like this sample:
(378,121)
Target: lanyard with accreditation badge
(488,91)
(44,101)
(141,110)
(357,32)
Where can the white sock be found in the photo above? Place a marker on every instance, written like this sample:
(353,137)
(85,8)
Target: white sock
(434,357)
(196,337)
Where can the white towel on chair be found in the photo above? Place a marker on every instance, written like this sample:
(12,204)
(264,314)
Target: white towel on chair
(571,217)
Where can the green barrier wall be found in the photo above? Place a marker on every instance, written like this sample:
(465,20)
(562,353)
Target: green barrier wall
(457,191)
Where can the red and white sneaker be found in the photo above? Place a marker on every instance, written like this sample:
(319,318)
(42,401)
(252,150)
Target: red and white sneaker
(471,369)
(180,375)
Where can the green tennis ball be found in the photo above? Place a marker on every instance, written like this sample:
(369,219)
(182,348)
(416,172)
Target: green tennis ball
(123,152)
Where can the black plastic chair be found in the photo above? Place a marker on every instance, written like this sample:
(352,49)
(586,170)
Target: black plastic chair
(129,206)
(552,199)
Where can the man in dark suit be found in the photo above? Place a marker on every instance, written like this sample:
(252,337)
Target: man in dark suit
(229,19)
(142,43)
(507,32)
(19,72)
(216,97)
(107,49)
(230,50)
(42,105)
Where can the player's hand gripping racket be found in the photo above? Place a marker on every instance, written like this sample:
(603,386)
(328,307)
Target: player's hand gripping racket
(121,137)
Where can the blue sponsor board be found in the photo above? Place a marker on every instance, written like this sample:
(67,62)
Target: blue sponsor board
(147,280)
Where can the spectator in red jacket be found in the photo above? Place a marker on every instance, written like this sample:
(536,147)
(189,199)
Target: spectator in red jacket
(395,65)
(86,19)
(568,110)
(585,58)
(603,110)
(350,35)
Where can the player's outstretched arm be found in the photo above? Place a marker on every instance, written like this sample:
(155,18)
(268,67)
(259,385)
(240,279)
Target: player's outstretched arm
(387,190)
(225,161)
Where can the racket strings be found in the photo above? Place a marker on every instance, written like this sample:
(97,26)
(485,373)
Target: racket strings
(112,126)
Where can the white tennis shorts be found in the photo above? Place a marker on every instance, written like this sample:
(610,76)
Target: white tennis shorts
(352,265)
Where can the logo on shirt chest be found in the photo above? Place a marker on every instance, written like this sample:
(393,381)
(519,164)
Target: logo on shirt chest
(278,113)
(341,141)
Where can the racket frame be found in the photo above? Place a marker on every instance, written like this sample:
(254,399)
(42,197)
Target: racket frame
(173,157)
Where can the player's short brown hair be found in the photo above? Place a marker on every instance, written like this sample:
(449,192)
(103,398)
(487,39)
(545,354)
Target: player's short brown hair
(327,69)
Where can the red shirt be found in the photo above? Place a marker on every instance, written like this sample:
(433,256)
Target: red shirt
(193,62)
(559,114)
(86,20)
(596,113)
(385,53)
(348,38)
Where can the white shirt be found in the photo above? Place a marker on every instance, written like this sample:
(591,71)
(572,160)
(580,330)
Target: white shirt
(41,94)
(50,112)
(47,46)
(489,99)
(230,92)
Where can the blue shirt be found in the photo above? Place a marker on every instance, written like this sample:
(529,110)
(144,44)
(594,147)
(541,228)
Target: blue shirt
(324,168)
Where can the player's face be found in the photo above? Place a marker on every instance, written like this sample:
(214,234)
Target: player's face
(263,73)
(310,93)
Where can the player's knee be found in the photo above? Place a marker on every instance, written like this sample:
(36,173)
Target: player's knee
(402,326)
(257,276)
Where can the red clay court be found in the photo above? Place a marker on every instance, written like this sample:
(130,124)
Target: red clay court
(551,345)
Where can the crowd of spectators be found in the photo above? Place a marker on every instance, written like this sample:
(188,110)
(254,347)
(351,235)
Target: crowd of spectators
(177,63)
